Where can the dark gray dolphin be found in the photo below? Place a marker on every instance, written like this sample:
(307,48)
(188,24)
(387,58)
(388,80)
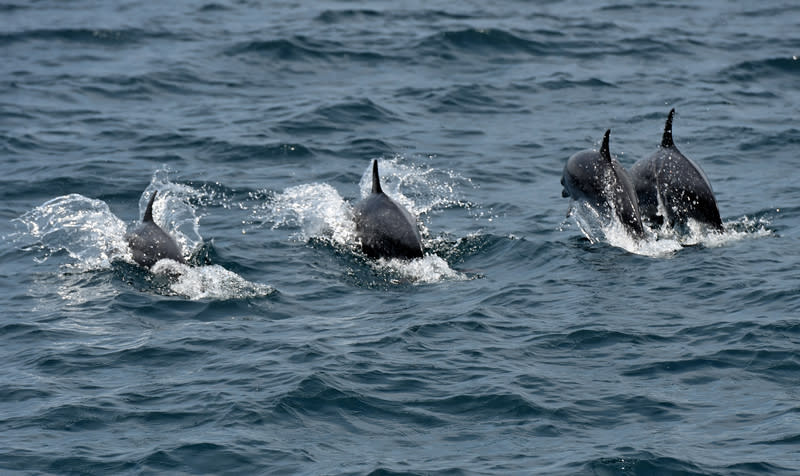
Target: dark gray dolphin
(385,228)
(676,182)
(599,180)
(149,243)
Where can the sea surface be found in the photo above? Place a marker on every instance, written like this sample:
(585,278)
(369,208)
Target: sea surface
(522,343)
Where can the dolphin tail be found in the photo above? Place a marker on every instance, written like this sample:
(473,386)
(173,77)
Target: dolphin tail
(376,179)
(148,213)
(666,140)
(605,153)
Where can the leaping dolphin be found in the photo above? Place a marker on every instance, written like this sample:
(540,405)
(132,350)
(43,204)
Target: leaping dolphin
(384,227)
(149,243)
(672,187)
(600,181)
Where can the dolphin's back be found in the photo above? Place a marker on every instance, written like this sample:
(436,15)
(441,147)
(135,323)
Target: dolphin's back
(385,228)
(149,243)
(677,183)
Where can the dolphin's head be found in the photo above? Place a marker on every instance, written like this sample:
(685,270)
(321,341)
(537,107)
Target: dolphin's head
(583,176)
(600,181)
(586,173)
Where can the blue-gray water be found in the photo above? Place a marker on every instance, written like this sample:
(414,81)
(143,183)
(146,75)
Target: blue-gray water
(516,346)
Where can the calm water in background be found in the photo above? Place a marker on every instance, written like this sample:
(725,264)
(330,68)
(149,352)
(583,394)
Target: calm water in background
(517,346)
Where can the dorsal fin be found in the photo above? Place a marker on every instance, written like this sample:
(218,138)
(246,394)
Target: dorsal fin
(666,140)
(376,179)
(605,153)
(148,213)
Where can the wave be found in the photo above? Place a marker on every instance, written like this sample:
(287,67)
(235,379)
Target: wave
(349,15)
(598,338)
(139,87)
(303,49)
(771,365)
(352,15)
(11,7)
(343,116)
(754,70)
(501,46)
(646,463)
(93,36)
(219,151)
(594,83)
(319,394)
(365,148)
(452,44)
(476,99)
(771,140)
(214,8)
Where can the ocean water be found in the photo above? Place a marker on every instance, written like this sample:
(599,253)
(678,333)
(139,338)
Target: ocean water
(518,345)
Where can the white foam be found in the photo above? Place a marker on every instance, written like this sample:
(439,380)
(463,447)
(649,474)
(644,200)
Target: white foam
(664,241)
(208,282)
(428,269)
(316,209)
(738,230)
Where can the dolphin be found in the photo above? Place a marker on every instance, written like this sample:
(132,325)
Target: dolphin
(384,227)
(149,243)
(672,187)
(600,181)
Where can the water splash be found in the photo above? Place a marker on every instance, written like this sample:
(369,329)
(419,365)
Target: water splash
(84,228)
(426,270)
(316,209)
(737,230)
(663,241)
(172,210)
(431,188)
(208,282)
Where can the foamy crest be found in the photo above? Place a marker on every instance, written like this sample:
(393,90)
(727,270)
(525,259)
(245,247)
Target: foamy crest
(83,227)
(208,282)
(428,269)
